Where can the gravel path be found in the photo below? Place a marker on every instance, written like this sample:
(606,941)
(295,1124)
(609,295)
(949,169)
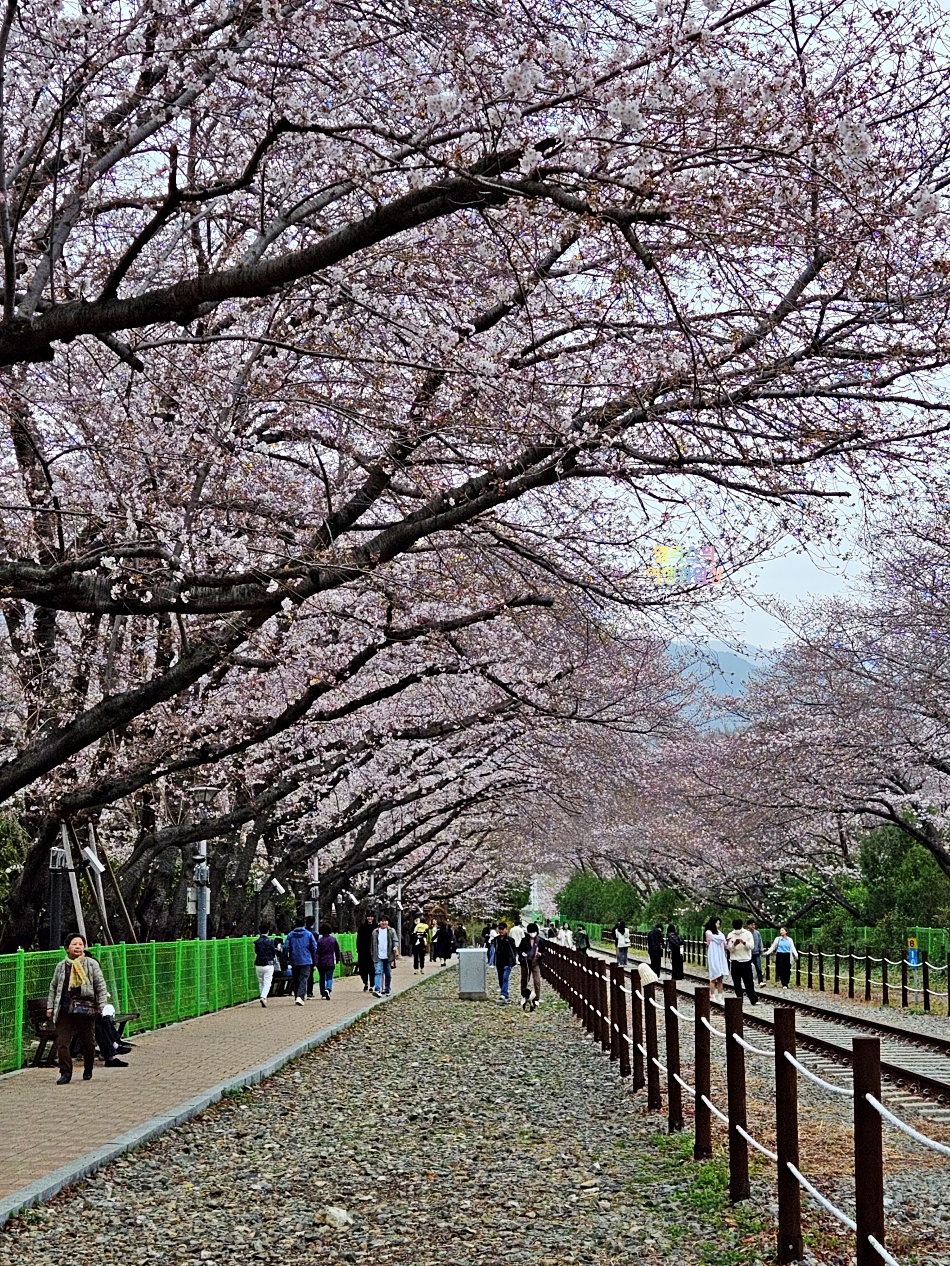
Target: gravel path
(501,1137)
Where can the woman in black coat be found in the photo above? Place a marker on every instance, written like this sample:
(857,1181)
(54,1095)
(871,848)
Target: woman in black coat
(364,951)
(444,943)
(674,945)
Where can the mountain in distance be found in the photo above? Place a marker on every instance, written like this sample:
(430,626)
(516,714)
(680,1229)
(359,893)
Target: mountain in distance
(720,670)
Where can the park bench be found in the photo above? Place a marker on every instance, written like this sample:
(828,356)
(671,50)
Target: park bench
(348,963)
(44,1032)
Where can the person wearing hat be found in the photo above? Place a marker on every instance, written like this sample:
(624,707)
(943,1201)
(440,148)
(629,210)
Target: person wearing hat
(529,956)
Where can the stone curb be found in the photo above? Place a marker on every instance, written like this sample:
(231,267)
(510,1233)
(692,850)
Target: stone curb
(50,1184)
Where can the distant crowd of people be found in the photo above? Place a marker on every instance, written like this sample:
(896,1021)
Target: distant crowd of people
(305,959)
(737,954)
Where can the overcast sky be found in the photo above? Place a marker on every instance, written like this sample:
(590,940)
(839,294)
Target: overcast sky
(794,577)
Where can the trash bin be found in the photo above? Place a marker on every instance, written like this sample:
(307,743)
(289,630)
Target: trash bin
(473,974)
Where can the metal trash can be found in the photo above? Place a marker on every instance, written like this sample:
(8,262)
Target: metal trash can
(473,974)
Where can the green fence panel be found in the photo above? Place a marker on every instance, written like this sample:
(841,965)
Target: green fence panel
(163,981)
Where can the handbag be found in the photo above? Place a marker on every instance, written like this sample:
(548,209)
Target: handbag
(82,1006)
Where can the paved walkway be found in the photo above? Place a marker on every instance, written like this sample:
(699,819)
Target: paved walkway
(45,1127)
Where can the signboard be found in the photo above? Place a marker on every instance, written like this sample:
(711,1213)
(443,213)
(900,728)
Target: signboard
(913,957)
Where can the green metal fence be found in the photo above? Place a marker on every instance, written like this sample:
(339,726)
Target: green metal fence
(164,981)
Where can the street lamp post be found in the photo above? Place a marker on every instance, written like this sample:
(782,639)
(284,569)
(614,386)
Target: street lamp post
(57,882)
(203,797)
(313,890)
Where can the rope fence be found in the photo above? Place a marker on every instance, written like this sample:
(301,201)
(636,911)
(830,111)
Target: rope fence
(598,994)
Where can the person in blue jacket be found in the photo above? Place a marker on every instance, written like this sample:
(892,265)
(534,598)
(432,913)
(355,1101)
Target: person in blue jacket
(300,946)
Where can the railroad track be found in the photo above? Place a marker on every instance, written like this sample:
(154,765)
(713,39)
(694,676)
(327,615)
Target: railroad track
(915,1066)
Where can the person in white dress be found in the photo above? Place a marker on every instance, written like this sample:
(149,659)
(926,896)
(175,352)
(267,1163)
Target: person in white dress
(716,957)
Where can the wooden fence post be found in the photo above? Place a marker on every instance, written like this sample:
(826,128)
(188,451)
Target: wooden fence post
(702,1075)
(837,973)
(885,994)
(674,1092)
(790,1245)
(850,971)
(654,1101)
(614,1013)
(603,1006)
(821,972)
(904,992)
(623,1037)
(811,958)
(636,1030)
(738,1112)
(925,983)
(868,1148)
(867,976)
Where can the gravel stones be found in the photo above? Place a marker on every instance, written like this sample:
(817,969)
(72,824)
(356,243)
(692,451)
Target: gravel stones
(452,1133)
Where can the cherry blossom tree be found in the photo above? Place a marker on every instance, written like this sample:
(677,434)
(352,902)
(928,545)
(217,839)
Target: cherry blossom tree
(317,309)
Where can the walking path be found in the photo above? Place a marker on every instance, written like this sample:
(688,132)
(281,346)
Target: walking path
(51,1134)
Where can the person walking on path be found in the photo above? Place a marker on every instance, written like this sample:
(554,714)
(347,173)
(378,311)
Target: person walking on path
(655,947)
(739,944)
(505,957)
(311,924)
(565,937)
(716,957)
(77,993)
(529,956)
(517,934)
(674,945)
(265,958)
(783,947)
(301,949)
(581,939)
(328,955)
(757,949)
(364,950)
(420,945)
(385,953)
(443,943)
(622,942)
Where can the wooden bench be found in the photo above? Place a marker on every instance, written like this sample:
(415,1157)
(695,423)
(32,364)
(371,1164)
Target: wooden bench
(44,1031)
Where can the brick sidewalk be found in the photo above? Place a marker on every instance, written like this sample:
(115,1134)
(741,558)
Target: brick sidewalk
(44,1126)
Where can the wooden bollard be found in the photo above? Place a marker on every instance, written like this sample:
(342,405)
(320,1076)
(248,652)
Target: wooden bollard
(868,1149)
(623,1035)
(636,1031)
(702,1075)
(603,1006)
(790,1245)
(674,1091)
(739,1188)
(654,1100)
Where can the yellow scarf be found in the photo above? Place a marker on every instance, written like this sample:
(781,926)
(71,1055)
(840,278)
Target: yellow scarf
(77,977)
